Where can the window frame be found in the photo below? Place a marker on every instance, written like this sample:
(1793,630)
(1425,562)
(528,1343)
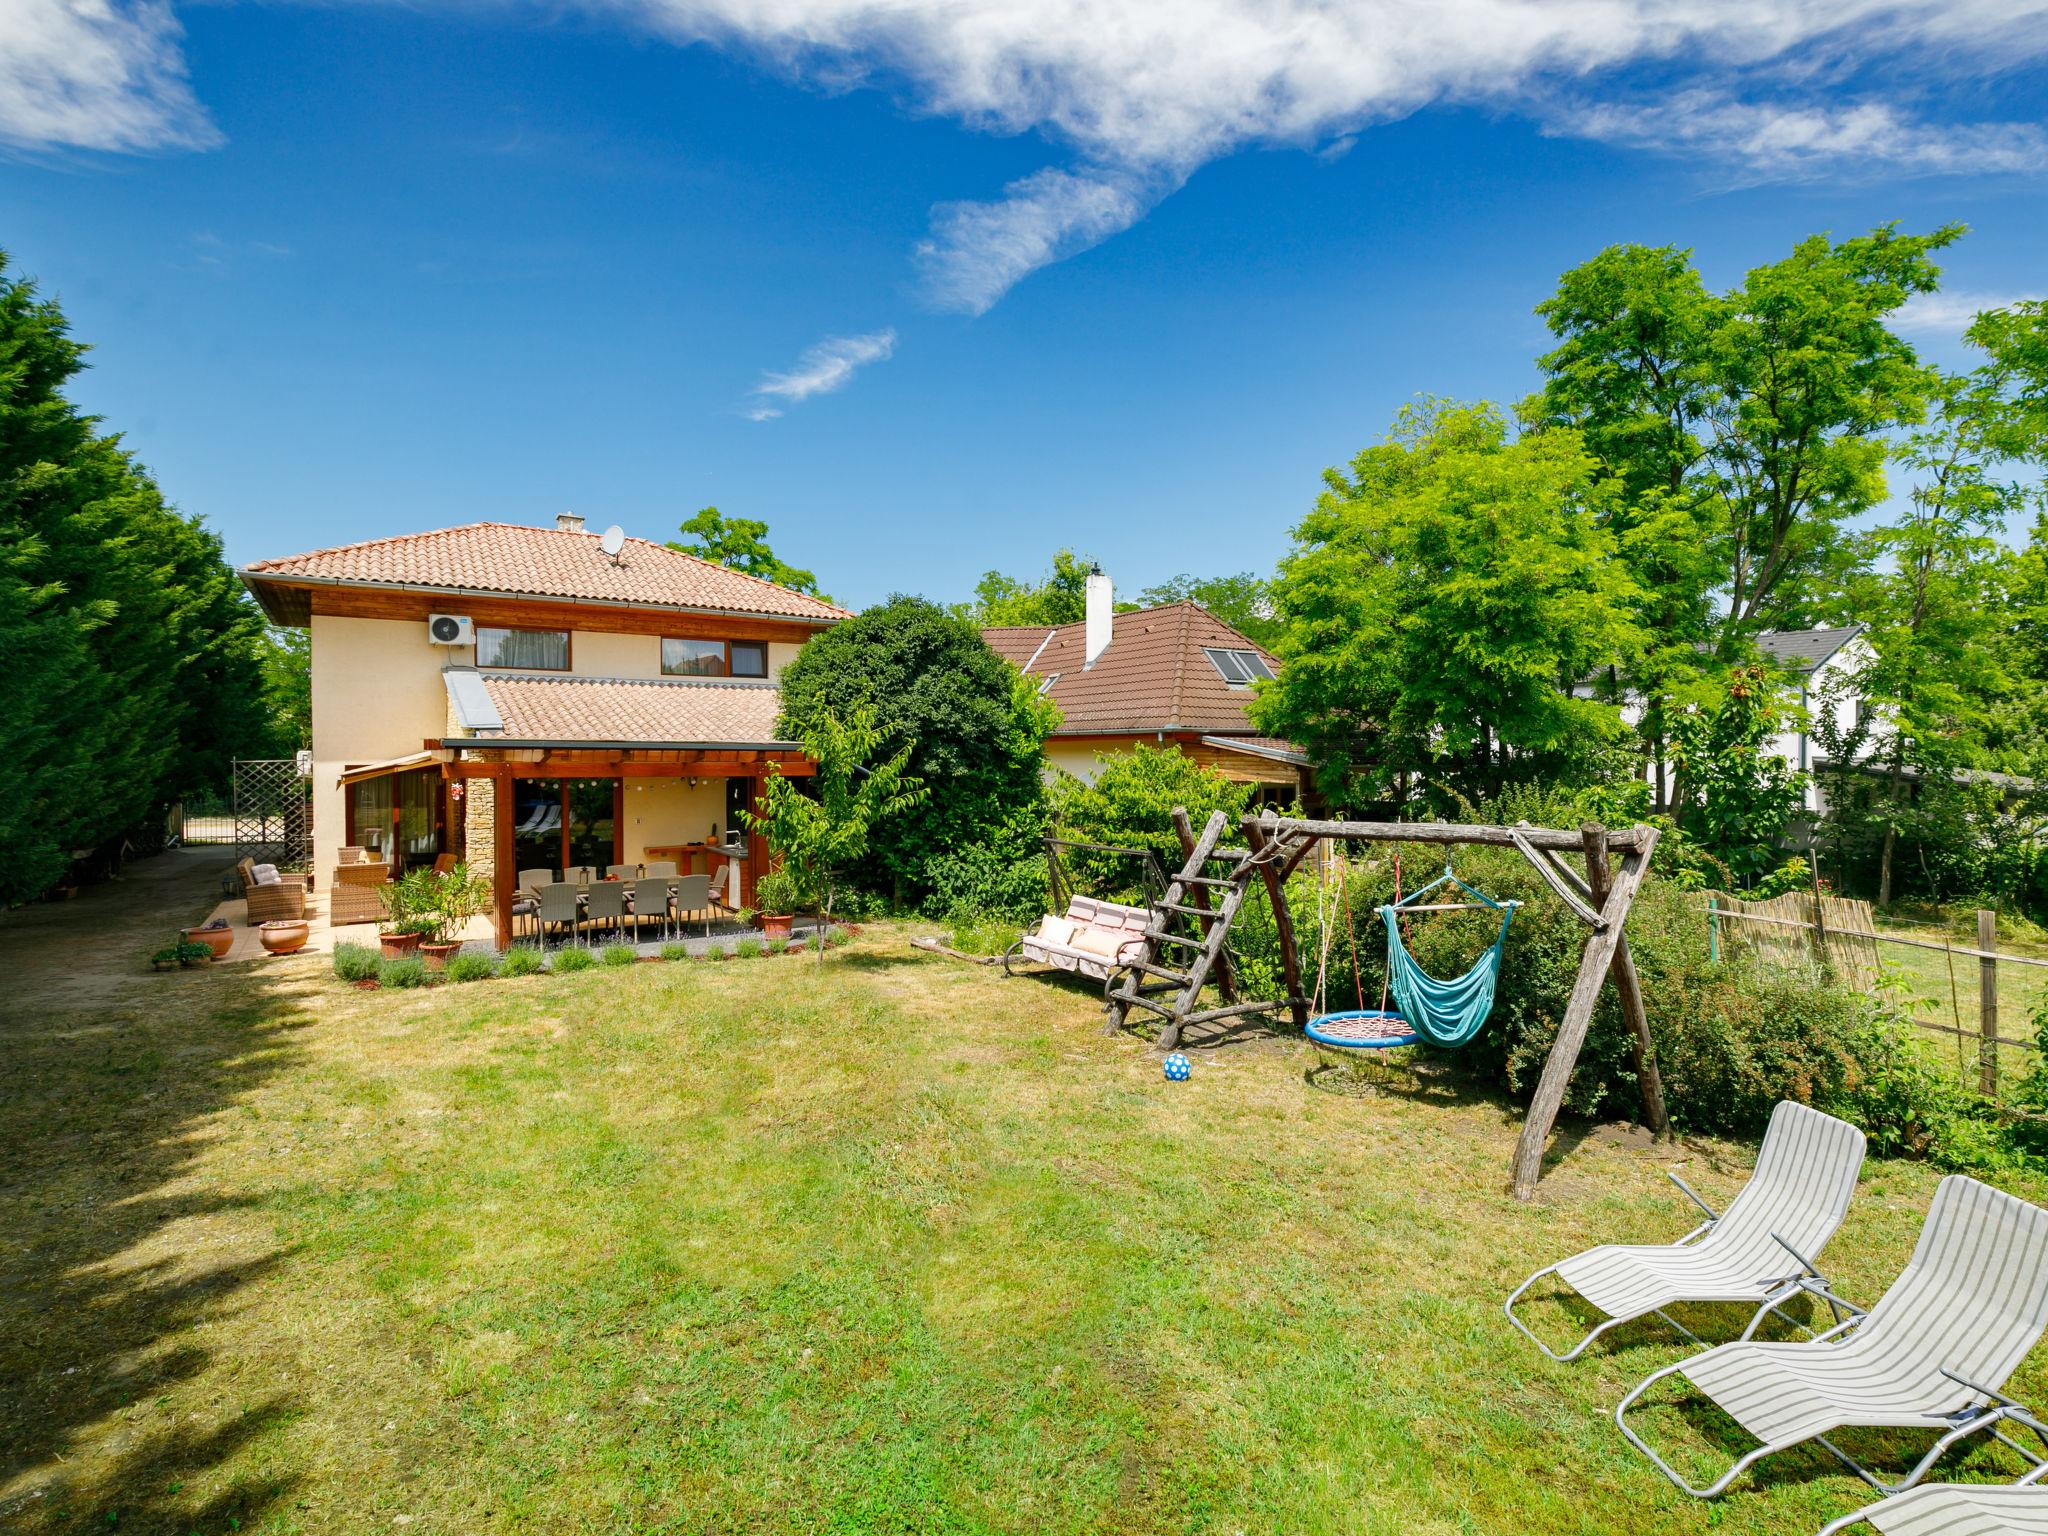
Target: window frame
(568,648)
(1249,662)
(757,645)
(725,650)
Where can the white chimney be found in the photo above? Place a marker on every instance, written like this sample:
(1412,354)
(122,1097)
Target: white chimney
(569,522)
(1100,607)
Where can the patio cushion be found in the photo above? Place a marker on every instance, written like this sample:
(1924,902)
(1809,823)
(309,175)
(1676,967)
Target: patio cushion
(1055,930)
(266,874)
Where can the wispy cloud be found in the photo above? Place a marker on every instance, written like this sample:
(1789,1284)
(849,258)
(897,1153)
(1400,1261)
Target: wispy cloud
(829,365)
(1794,141)
(1949,313)
(96,74)
(1136,96)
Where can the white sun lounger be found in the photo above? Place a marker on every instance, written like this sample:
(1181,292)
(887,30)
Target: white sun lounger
(1932,1354)
(1760,1252)
(1957,1509)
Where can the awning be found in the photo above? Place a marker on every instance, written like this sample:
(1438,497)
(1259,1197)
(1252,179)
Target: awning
(357,772)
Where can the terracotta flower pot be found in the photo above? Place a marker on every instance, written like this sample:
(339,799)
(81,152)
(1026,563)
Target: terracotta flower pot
(437,954)
(775,925)
(396,946)
(283,936)
(219,940)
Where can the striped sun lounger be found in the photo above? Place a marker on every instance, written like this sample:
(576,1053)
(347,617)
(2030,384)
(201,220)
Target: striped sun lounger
(1932,1354)
(1957,1509)
(1759,1253)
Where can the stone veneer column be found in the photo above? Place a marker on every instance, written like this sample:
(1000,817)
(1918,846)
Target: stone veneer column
(479,826)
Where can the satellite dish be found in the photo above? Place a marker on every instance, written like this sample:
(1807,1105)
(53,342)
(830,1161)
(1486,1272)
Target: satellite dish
(613,541)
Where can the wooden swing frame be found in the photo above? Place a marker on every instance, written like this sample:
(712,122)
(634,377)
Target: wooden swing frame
(1600,899)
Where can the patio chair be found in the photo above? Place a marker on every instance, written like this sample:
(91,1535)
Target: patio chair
(1958,1509)
(622,871)
(352,893)
(282,899)
(578,874)
(692,893)
(557,904)
(650,899)
(660,867)
(350,855)
(534,879)
(1757,1252)
(606,903)
(1932,1354)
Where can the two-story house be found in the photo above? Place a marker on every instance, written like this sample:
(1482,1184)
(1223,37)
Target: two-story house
(525,697)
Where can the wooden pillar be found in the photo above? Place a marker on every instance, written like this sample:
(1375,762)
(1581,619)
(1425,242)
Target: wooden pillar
(1628,986)
(1987,1004)
(503,876)
(1283,921)
(1578,1013)
(1184,829)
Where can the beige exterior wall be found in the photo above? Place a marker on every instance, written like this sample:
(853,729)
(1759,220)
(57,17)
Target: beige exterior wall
(780,654)
(662,811)
(593,653)
(377,693)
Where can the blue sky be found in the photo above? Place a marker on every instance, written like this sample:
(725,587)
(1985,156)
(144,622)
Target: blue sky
(932,288)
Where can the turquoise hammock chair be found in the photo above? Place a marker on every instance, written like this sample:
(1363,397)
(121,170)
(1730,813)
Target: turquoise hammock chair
(1442,1013)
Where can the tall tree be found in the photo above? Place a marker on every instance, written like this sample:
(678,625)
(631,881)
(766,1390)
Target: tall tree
(1243,601)
(741,544)
(132,649)
(1442,600)
(1058,597)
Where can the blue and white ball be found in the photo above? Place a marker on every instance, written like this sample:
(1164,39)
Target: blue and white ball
(1178,1068)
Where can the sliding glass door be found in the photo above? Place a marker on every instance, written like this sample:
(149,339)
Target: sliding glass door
(561,823)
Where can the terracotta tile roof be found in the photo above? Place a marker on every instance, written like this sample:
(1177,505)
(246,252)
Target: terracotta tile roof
(1153,675)
(548,563)
(640,711)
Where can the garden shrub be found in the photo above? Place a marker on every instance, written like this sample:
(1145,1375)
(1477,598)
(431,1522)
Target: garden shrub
(355,962)
(774,946)
(572,959)
(472,965)
(1130,805)
(675,949)
(1003,876)
(520,960)
(618,954)
(403,971)
(748,949)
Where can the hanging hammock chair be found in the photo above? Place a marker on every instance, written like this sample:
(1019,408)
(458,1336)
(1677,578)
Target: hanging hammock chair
(1443,1013)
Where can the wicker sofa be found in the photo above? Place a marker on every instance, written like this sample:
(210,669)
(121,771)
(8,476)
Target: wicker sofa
(353,894)
(284,901)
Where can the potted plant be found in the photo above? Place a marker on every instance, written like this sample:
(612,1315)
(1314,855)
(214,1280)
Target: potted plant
(452,900)
(217,937)
(407,919)
(778,895)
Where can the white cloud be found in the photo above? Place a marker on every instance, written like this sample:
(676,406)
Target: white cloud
(94,74)
(978,251)
(1806,141)
(829,365)
(1949,313)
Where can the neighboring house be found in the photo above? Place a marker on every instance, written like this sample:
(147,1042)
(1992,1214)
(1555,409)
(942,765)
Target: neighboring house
(1173,676)
(520,698)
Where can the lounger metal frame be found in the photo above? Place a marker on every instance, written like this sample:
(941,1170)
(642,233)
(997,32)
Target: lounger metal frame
(2032,1479)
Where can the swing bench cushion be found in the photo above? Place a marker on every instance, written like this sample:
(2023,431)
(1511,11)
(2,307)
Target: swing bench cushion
(1093,938)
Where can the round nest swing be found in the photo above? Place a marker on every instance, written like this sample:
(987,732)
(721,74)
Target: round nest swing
(1362,1029)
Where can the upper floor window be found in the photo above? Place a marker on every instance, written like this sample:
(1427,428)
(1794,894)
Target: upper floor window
(1238,668)
(714,658)
(545,650)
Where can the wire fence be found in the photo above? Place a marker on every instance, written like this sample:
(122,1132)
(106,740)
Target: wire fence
(1985,996)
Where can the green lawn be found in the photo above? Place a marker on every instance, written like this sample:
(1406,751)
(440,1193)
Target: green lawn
(741,1247)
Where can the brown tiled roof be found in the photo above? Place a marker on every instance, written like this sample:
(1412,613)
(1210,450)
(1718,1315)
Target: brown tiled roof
(1152,677)
(637,711)
(547,563)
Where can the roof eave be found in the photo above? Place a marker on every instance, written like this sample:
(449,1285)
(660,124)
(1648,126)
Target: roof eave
(253,579)
(530,743)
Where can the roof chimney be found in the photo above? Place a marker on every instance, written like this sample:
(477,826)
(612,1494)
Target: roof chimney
(1100,607)
(569,522)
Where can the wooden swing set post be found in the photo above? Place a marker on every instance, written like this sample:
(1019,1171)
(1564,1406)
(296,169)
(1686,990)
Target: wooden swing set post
(1184,829)
(1602,900)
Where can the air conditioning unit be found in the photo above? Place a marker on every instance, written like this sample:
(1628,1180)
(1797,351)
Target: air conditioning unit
(450,629)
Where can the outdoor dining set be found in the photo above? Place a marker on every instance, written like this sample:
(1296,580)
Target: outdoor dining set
(577,902)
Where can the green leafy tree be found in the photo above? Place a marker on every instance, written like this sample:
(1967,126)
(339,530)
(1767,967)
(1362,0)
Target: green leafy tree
(1243,601)
(1735,796)
(1442,599)
(1745,430)
(741,544)
(1129,804)
(134,673)
(822,826)
(286,656)
(1059,597)
(977,727)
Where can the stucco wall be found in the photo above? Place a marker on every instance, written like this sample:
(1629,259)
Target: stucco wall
(377,693)
(670,811)
(596,654)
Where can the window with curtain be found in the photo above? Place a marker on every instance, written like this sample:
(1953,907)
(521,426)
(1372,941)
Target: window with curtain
(542,650)
(749,658)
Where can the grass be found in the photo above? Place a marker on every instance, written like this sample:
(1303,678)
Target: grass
(891,1245)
